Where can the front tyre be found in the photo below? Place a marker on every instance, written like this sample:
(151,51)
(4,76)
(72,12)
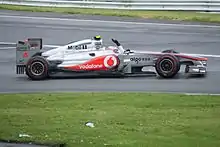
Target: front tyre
(37,68)
(167,66)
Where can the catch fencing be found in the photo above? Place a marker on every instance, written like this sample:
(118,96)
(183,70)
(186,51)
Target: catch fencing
(172,5)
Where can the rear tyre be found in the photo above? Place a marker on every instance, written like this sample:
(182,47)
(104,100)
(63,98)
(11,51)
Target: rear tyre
(167,66)
(37,68)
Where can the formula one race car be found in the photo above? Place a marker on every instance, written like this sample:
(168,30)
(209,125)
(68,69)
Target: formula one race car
(89,56)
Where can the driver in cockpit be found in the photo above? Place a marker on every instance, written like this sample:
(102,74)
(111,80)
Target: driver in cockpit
(98,44)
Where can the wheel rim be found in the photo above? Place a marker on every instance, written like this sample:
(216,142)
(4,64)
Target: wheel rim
(37,68)
(166,65)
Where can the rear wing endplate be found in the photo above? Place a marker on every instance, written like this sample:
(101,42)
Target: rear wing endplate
(25,50)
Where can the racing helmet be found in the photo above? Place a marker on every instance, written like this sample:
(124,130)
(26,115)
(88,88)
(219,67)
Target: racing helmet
(97,42)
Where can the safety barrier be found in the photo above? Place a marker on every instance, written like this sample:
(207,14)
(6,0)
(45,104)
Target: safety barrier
(175,5)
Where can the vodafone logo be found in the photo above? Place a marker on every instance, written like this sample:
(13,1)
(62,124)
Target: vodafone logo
(110,61)
(90,66)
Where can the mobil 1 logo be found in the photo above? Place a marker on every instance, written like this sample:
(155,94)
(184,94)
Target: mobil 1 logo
(139,59)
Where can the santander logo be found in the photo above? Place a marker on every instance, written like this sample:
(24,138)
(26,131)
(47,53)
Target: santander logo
(110,61)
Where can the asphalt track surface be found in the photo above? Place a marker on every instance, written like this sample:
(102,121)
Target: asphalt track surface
(135,34)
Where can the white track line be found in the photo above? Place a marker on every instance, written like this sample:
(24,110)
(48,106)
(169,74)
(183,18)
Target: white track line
(5,48)
(185,93)
(105,21)
(212,94)
(203,55)
(12,43)
(7,43)
(181,93)
(54,46)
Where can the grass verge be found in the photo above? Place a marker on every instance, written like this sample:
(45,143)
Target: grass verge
(120,119)
(167,15)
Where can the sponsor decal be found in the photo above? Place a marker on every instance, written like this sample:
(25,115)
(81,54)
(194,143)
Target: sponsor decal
(34,46)
(21,60)
(139,59)
(79,47)
(90,66)
(25,55)
(110,61)
(98,63)
(22,47)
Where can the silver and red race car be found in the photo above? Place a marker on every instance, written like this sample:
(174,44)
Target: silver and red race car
(90,56)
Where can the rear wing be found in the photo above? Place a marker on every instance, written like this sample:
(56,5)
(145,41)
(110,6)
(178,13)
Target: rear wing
(24,51)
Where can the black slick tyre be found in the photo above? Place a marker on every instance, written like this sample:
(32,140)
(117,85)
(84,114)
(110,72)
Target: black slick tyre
(37,68)
(167,66)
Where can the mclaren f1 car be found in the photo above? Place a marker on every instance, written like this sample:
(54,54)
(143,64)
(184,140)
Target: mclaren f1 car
(90,56)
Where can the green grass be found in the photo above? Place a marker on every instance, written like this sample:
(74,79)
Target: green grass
(120,119)
(170,15)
